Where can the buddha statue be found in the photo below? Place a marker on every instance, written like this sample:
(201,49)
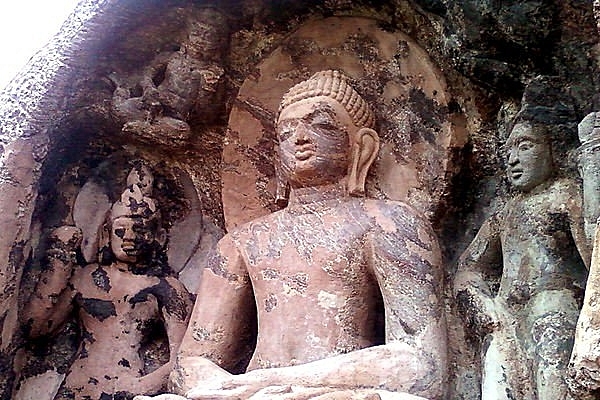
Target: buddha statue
(336,295)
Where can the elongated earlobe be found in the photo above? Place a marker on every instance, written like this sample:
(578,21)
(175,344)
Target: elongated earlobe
(364,152)
(282,193)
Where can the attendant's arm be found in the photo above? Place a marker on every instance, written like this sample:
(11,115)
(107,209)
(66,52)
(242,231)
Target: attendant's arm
(471,290)
(50,304)
(223,322)
(577,222)
(176,306)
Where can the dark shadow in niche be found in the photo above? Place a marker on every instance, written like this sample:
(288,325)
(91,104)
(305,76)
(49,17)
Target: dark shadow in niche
(154,347)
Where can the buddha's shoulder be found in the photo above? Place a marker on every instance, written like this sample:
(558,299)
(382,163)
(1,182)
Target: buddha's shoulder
(395,224)
(385,215)
(265,222)
(398,211)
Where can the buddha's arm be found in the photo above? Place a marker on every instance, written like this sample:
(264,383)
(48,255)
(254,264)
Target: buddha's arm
(395,367)
(471,290)
(408,266)
(222,324)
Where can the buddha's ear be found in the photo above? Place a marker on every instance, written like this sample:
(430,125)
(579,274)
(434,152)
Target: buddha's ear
(364,151)
(282,194)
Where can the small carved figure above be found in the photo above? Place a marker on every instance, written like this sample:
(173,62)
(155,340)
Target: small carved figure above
(177,86)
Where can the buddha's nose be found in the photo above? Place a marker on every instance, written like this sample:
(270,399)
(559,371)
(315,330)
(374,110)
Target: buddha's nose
(301,135)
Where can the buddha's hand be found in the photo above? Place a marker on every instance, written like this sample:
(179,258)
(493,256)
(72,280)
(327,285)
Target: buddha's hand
(193,372)
(235,386)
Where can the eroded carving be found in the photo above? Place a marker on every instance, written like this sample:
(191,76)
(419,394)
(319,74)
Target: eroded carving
(127,305)
(177,86)
(536,247)
(346,290)
(584,378)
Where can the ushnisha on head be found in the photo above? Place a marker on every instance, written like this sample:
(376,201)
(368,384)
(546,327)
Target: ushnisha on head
(332,84)
(326,134)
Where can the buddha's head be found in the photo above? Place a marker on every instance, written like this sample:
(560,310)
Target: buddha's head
(326,135)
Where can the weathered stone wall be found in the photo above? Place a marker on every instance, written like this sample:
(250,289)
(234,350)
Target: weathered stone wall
(60,130)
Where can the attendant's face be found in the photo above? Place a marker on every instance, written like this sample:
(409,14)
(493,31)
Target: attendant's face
(130,238)
(529,157)
(314,141)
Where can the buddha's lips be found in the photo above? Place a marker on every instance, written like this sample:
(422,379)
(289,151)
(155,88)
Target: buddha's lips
(304,152)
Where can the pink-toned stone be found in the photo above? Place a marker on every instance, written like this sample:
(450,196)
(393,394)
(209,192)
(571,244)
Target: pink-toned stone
(336,295)
(399,64)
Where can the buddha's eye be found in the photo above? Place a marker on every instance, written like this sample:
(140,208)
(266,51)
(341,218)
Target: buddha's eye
(325,126)
(286,129)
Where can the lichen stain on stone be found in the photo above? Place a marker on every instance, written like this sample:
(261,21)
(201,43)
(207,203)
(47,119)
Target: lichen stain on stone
(97,308)
(295,285)
(124,362)
(270,274)
(203,334)
(270,302)
(101,279)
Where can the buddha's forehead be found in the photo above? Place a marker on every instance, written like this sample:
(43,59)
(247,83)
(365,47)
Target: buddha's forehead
(319,105)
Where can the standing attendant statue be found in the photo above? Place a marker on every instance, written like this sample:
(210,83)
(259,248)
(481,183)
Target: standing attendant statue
(584,376)
(337,295)
(117,303)
(538,241)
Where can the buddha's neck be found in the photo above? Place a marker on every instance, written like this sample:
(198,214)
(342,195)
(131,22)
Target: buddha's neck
(315,194)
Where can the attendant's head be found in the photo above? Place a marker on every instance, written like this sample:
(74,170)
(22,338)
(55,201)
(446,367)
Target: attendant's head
(530,161)
(135,228)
